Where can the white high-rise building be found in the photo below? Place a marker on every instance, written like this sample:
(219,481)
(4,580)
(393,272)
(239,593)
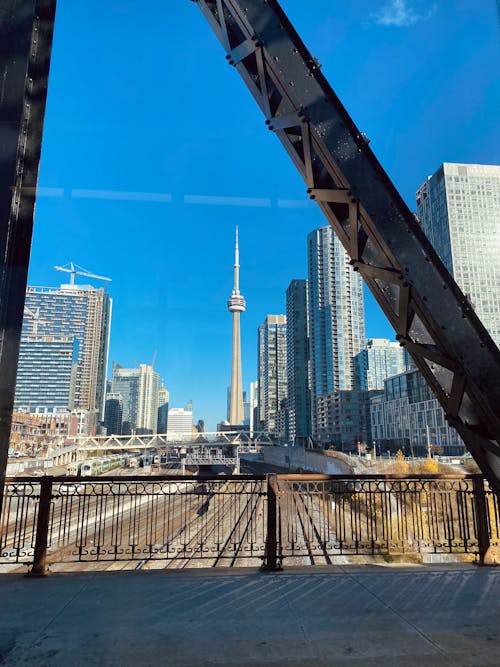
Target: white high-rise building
(254,406)
(459,210)
(180,422)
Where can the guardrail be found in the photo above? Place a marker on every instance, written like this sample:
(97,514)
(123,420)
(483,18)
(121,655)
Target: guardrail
(244,519)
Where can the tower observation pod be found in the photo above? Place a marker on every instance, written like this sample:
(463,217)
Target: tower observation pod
(236,305)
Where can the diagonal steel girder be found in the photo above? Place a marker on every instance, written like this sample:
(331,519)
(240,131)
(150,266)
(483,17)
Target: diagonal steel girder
(431,316)
(26,29)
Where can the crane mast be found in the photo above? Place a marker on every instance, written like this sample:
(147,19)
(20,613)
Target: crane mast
(433,320)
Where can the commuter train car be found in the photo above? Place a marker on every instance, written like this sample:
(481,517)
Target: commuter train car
(133,461)
(74,468)
(97,466)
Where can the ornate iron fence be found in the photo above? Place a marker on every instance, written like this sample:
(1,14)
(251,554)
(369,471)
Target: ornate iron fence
(383,515)
(244,519)
(133,519)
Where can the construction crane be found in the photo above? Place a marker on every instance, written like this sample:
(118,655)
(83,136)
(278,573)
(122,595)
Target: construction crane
(431,316)
(76,270)
(35,316)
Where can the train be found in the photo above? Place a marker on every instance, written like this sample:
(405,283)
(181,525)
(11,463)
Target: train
(100,465)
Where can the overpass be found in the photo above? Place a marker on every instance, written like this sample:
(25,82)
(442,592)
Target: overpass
(194,449)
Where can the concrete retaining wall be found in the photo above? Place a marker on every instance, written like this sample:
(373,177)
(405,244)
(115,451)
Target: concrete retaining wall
(293,458)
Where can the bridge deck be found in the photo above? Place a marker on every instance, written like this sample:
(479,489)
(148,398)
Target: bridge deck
(440,615)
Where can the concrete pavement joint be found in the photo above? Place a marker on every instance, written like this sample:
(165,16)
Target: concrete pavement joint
(36,640)
(293,613)
(420,632)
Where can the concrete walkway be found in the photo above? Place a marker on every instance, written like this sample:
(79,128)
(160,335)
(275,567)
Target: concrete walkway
(353,615)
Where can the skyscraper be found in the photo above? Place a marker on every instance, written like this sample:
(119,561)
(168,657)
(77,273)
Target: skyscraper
(297,355)
(459,210)
(236,305)
(113,414)
(163,400)
(46,374)
(138,388)
(377,361)
(78,312)
(272,372)
(336,316)
(254,407)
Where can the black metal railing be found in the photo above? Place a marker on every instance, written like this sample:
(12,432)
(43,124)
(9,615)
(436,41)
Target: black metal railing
(244,519)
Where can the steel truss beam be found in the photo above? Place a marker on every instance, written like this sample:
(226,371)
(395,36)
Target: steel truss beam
(431,316)
(26,28)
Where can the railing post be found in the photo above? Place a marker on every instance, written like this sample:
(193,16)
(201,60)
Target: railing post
(481,509)
(40,567)
(271,559)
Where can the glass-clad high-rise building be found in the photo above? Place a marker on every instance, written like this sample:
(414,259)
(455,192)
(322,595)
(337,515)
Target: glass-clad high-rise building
(163,401)
(336,316)
(272,373)
(138,388)
(46,374)
(78,312)
(459,210)
(377,361)
(297,361)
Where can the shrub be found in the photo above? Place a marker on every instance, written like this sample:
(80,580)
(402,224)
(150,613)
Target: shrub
(401,466)
(428,467)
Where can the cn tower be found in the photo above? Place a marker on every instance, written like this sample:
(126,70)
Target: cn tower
(236,305)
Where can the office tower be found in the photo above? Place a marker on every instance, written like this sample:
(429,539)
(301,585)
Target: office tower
(113,414)
(336,316)
(180,422)
(138,388)
(379,359)
(236,305)
(459,210)
(163,400)
(84,313)
(46,374)
(407,416)
(297,356)
(246,409)
(272,372)
(254,407)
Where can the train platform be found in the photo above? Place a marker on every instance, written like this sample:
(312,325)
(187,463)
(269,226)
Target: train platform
(343,616)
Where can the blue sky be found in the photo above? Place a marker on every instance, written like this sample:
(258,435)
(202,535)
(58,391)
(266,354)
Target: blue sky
(154,150)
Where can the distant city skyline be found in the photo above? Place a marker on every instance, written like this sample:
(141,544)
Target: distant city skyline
(155,211)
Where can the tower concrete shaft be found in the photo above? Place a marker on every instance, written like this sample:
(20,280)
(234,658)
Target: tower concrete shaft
(236,305)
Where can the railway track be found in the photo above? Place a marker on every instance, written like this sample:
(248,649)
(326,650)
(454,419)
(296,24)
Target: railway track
(217,532)
(85,524)
(307,522)
(249,518)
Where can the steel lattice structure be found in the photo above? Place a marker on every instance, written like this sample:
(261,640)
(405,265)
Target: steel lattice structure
(26,29)
(431,316)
